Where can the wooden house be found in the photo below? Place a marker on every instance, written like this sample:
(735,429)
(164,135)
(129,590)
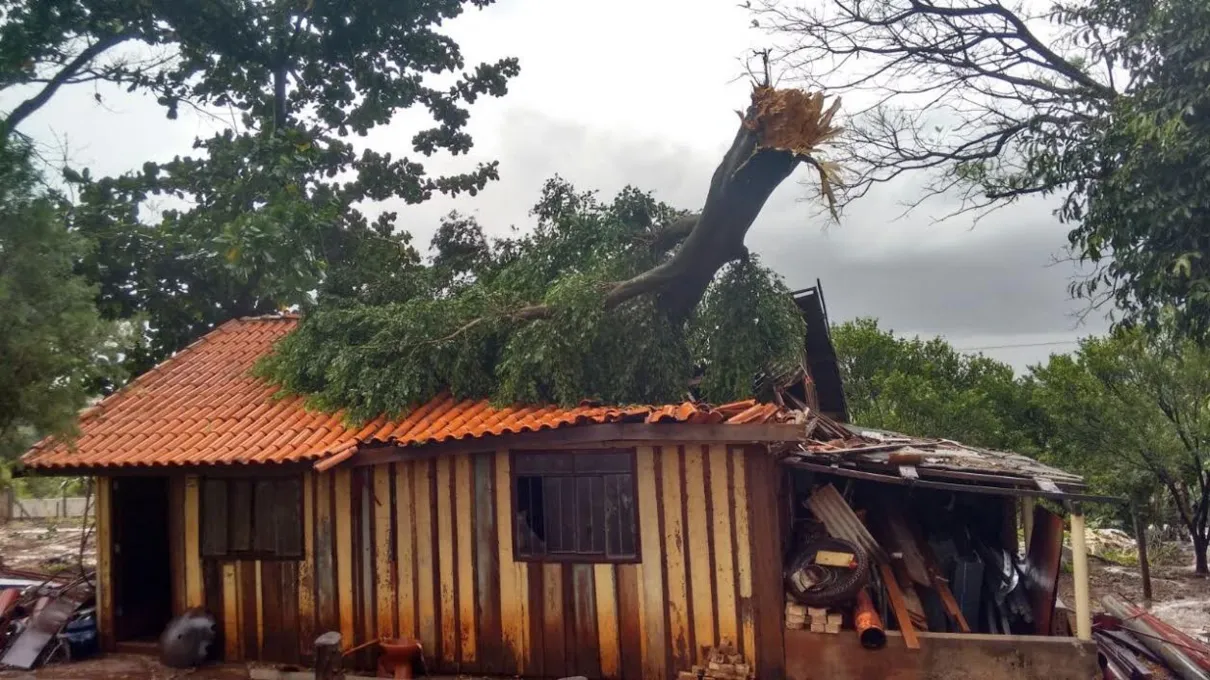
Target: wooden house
(608,542)
(598,541)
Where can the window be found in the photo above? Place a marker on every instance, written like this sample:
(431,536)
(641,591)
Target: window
(575,506)
(252,518)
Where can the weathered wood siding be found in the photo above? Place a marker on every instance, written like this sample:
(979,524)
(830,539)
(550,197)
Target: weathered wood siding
(424,549)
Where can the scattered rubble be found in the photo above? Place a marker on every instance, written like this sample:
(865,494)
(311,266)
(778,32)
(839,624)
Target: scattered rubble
(45,618)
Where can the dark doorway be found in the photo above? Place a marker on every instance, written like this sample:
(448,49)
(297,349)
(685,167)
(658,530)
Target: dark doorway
(142,571)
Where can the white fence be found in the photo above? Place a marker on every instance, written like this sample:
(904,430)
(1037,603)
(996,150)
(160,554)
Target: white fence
(40,508)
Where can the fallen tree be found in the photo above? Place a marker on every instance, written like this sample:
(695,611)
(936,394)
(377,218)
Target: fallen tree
(619,302)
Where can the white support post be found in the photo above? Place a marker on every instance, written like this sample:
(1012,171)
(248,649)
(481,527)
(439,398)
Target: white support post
(1079,567)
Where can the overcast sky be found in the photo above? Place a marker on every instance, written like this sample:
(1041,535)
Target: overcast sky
(616,92)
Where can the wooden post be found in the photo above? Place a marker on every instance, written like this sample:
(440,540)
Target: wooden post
(1140,537)
(328,656)
(1027,520)
(1079,568)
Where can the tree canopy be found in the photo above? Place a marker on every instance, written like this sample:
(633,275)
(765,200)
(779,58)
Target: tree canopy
(927,388)
(1102,104)
(1132,412)
(54,347)
(460,323)
(282,202)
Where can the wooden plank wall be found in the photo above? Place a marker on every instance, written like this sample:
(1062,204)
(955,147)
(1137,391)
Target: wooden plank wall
(424,549)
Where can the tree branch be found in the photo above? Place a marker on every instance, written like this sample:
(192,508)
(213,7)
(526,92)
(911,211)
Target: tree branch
(29,106)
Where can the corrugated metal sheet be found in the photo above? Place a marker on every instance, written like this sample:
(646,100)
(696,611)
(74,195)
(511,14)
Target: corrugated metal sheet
(829,506)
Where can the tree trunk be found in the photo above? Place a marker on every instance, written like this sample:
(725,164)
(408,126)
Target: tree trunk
(1200,544)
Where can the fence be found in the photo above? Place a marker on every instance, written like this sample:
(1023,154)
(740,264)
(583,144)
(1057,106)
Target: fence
(12,508)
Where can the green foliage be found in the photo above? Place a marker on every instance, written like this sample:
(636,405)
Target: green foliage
(463,323)
(927,388)
(53,347)
(1132,412)
(1103,105)
(271,213)
(747,322)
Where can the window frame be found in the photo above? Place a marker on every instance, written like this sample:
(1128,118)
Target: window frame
(250,555)
(575,558)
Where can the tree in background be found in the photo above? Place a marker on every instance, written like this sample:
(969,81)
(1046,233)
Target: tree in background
(1132,413)
(927,388)
(1102,103)
(280,205)
(53,347)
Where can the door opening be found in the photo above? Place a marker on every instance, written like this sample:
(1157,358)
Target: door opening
(142,569)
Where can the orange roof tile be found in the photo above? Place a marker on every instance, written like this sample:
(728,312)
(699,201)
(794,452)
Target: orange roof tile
(202,407)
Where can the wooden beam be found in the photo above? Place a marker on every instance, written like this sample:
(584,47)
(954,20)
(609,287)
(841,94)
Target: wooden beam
(608,434)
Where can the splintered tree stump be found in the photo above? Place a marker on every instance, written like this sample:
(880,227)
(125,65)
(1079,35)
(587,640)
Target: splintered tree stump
(328,657)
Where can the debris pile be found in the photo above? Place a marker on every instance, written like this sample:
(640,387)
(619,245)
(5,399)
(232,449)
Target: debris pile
(722,663)
(1132,643)
(874,558)
(45,619)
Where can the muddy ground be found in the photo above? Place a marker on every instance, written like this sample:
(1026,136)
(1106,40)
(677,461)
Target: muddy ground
(45,546)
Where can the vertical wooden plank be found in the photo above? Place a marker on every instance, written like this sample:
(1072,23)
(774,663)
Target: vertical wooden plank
(248,596)
(536,634)
(328,616)
(588,642)
(630,617)
(291,618)
(701,566)
(342,513)
(231,618)
(426,596)
(384,573)
(606,608)
(724,551)
(514,595)
(446,568)
(463,489)
(489,636)
(405,552)
(270,616)
(679,632)
(363,558)
(194,597)
(176,543)
(212,586)
(651,574)
(554,660)
(260,612)
(768,594)
(306,571)
(105,610)
(743,555)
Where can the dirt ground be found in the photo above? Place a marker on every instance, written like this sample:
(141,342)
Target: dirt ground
(1178,595)
(45,546)
(126,667)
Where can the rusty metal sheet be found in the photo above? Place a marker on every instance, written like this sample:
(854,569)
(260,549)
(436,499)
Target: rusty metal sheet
(1042,567)
(43,627)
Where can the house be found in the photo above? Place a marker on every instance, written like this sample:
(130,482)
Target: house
(610,542)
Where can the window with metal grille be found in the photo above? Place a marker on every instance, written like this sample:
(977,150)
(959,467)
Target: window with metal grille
(575,506)
(252,518)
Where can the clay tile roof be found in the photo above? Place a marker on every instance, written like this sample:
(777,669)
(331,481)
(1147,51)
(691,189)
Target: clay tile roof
(202,406)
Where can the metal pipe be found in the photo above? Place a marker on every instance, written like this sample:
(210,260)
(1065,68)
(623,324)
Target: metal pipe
(867,623)
(1079,567)
(1175,659)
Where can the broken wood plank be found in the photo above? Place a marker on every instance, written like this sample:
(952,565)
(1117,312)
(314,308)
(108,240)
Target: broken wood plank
(899,606)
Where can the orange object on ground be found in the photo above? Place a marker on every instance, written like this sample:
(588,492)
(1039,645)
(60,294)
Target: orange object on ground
(398,658)
(867,622)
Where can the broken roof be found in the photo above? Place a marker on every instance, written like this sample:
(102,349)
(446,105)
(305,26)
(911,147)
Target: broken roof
(203,407)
